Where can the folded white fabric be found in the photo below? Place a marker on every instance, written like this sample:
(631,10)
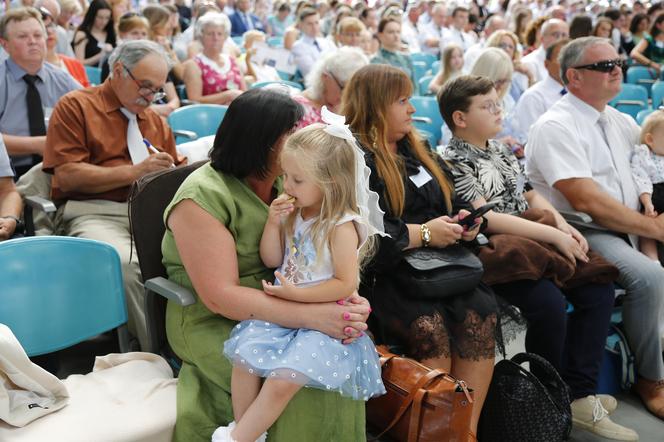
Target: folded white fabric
(127,397)
(27,391)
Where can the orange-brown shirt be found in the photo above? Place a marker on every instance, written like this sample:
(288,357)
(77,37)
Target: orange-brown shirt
(88,126)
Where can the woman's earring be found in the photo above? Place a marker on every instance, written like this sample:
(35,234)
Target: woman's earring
(373,133)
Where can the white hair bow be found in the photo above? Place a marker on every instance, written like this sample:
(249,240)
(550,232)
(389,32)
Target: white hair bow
(367,199)
(336,125)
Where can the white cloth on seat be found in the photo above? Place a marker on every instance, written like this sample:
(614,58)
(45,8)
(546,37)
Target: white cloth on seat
(126,397)
(27,391)
(196,150)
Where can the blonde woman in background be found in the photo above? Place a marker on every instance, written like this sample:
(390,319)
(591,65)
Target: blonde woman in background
(451,67)
(523,77)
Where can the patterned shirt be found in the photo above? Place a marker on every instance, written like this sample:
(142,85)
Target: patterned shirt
(217,78)
(647,169)
(492,173)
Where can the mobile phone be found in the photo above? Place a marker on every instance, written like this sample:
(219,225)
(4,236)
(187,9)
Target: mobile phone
(469,220)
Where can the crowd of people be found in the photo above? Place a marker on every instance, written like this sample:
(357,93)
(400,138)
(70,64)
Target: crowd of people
(332,183)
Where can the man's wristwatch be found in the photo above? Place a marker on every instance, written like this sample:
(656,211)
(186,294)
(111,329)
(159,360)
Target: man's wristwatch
(20,226)
(425,235)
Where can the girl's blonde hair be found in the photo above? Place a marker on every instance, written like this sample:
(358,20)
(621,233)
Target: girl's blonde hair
(496,65)
(366,113)
(330,162)
(495,39)
(446,58)
(650,124)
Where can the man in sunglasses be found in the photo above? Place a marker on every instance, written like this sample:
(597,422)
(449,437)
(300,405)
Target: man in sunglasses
(101,140)
(578,157)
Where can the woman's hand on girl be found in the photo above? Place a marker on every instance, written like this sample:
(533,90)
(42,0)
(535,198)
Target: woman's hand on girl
(280,208)
(444,231)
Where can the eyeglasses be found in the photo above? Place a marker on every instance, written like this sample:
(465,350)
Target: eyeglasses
(493,107)
(144,90)
(604,66)
(506,46)
(341,86)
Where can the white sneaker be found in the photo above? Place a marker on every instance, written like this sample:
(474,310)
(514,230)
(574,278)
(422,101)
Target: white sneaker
(608,402)
(589,414)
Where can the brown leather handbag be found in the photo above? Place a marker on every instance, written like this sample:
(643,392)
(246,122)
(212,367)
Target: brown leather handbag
(421,404)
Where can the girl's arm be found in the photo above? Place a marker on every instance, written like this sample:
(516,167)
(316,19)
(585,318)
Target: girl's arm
(204,247)
(637,54)
(272,243)
(341,285)
(514,225)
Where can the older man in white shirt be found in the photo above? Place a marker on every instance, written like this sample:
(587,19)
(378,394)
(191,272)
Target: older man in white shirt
(552,30)
(544,94)
(309,48)
(578,158)
(431,33)
(493,24)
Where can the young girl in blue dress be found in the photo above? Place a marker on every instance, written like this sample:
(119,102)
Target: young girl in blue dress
(317,235)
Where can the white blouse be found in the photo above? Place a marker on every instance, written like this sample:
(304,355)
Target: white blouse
(647,168)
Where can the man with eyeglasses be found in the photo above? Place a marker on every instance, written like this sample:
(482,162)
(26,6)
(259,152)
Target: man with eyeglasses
(552,31)
(578,157)
(102,140)
(30,86)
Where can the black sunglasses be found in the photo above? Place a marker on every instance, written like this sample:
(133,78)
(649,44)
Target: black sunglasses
(603,66)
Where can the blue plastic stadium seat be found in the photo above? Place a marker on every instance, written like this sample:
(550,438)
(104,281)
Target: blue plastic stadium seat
(642,75)
(94,75)
(657,93)
(421,69)
(427,115)
(59,291)
(429,59)
(632,99)
(284,82)
(202,119)
(424,85)
(641,116)
(277,42)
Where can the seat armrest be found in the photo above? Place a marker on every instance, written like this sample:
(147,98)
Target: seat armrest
(170,290)
(37,202)
(572,216)
(425,120)
(189,134)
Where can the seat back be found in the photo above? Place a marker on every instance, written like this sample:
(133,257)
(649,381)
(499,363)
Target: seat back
(428,59)
(58,291)
(642,75)
(632,99)
(420,69)
(94,75)
(292,84)
(427,108)
(657,94)
(203,119)
(424,85)
(148,199)
(641,116)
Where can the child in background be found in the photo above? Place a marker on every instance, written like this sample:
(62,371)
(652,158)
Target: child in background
(451,67)
(648,173)
(317,235)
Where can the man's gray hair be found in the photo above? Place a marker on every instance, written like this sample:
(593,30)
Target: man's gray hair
(212,19)
(341,64)
(573,53)
(130,53)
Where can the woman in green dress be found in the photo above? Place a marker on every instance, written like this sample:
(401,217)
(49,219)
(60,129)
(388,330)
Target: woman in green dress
(211,246)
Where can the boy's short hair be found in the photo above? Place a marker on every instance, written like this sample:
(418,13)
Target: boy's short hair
(457,94)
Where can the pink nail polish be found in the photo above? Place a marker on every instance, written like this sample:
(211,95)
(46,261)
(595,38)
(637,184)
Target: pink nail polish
(346,316)
(348,330)
(360,335)
(340,302)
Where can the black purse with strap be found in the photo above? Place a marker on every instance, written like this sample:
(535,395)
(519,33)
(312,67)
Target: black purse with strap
(435,273)
(523,407)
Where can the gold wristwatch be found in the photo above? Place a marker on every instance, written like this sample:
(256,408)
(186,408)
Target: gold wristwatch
(425,235)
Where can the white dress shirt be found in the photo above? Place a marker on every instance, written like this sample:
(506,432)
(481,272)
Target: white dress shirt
(306,51)
(453,35)
(535,101)
(410,35)
(567,142)
(431,30)
(472,54)
(535,62)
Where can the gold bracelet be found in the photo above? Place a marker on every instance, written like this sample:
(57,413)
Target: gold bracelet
(425,235)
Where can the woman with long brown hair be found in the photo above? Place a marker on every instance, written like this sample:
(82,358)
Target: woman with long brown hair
(456,334)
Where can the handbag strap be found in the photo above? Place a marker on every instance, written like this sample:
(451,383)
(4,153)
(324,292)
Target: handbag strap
(414,425)
(545,366)
(421,383)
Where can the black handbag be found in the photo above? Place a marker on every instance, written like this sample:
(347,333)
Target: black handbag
(523,407)
(437,273)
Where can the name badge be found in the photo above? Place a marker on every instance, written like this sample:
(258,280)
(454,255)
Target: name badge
(421,178)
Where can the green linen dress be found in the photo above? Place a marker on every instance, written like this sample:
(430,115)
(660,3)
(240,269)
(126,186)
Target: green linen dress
(197,335)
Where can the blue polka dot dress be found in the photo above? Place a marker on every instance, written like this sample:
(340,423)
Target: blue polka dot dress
(307,357)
